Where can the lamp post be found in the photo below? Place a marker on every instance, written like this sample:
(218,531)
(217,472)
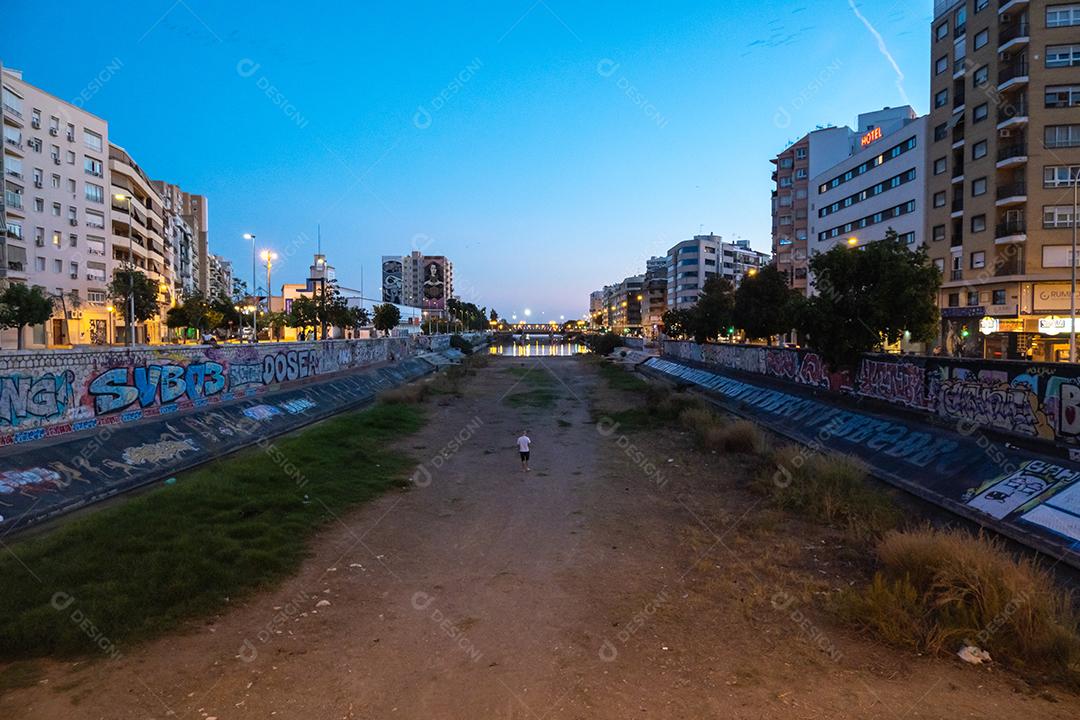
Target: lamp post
(1072,295)
(254,318)
(269,256)
(131,272)
(112,332)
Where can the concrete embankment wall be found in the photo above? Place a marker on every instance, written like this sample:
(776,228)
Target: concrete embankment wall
(46,394)
(1029,401)
(890,416)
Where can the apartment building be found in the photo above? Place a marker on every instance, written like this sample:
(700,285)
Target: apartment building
(56,212)
(596,307)
(1005,124)
(219,277)
(795,166)
(692,262)
(654,291)
(881,186)
(418,280)
(626,300)
(185,229)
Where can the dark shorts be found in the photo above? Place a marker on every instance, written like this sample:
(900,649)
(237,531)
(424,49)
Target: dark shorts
(524,455)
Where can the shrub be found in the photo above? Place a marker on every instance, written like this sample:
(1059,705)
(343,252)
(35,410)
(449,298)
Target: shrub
(744,436)
(832,488)
(939,590)
(411,394)
(603,344)
(460,343)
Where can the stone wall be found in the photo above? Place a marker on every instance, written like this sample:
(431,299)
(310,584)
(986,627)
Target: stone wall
(1030,400)
(55,392)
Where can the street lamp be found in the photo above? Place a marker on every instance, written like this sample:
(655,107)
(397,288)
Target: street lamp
(269,256)
(131,271)
(112,329)
(254,321)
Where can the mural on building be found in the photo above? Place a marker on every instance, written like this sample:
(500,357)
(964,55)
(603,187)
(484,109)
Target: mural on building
(58,392)
(1040,401)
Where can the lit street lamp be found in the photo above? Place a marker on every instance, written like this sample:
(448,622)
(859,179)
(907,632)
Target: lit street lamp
(269,256)
(254,321)
(1072,296)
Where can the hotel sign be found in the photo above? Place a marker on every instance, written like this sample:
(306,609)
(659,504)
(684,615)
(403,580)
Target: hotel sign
(871,137)
(1055,325)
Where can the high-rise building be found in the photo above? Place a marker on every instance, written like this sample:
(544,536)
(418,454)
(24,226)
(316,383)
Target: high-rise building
(1005,141)
(802,160)
(691,263)
(654,291)
(181,240)
(219,277)
(881,186)
(57,215)
(418,280)
(626,299)
(596,307)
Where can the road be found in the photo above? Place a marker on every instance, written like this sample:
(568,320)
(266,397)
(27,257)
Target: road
(591,587)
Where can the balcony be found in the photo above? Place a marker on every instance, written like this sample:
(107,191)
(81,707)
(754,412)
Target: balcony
(1012,194)
(1013,114)
(958,135)
(958,172)
(955,275)
(1005,6)
(958,206)
(957,240)
(958,101)
(1005,266)
(1012,155)
(1011,231)
(1013,75)
(1014,35)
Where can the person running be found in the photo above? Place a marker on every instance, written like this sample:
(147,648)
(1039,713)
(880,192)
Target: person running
(523,443)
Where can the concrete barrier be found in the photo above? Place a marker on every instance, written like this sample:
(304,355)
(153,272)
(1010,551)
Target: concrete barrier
(1030,497)
(1033,402)
(46,394)
(45,479)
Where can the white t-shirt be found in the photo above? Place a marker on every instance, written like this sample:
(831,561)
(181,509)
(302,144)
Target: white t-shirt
(523,443)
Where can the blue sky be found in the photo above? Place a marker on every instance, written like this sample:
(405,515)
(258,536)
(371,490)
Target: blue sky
(546,146)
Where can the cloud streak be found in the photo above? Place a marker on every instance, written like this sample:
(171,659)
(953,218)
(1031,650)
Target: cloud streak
(884,51)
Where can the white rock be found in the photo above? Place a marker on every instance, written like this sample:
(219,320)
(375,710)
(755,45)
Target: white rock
(322,603)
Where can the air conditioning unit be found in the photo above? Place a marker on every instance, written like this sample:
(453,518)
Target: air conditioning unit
(54,131)
(1005,133)
(70,137)
(73,222)
(37,183)
(56,160)
(40,242)
(74,276)
(36,124)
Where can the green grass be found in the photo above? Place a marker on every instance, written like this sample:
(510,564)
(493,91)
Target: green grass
(541,392)
(182,551)
(620,378)
(538,398)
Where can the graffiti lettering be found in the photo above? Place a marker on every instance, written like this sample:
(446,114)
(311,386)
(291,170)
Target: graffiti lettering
(45,397)
(157,451)
(291,365)
(13,481)
(119,388)
(1003,406)
(896,382)
(241,374)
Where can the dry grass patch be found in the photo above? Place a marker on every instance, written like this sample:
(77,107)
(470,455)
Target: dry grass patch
(939,590)
(411,394)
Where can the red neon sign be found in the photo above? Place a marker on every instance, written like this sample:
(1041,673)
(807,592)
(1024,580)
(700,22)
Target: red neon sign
(872,136)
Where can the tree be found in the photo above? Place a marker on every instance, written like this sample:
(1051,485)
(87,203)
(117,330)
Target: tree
(494,315)
(21,305)
(275,321)
(239,291)
(868,298)
(130,282)
(678,323)
(387,317)
(712,316)
(764,304)
(304,313)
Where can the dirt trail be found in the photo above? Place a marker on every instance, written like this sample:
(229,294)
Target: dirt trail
(587,588)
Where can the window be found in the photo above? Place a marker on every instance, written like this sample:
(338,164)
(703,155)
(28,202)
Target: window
(92,140)
(978,223)
(800,153)
(941,65)
(55,180)
(56,238)
(73,240)
(1055,176)
(1060,136)
(954,299)
(71,186)
(1062,96)
(95,245)
(972,298)
(980,113)
(941,99)
(785,181)
(92,166)
(56,209)
(39,264)
(941,31)
(939,263)
(1062,15)
(981,39)
(907,238)
(978,187)
(71,157)
(941,131)
(58,265)
(39,205)
(1059,56)
(939,232)
(981,5)
(998,297)
(939,199)
(940,166)
(982,76)
(95,219)
(94,193)
(1057,216)
(800,174)
(978,260)
(787,163)
(979,150)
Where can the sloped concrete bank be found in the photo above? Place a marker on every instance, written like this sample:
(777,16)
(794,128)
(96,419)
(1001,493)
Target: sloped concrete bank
(39,481)
(1029,497)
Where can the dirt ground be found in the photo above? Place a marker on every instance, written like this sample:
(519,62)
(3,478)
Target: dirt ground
(625,576)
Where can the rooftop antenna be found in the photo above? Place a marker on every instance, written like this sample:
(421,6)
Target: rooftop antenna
(318,241)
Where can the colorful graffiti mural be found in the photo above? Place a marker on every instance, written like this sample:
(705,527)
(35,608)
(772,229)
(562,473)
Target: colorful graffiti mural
(45,394)
(1038,401)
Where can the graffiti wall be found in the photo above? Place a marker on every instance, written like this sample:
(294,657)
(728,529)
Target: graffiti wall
(44,394)
(1031,400)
